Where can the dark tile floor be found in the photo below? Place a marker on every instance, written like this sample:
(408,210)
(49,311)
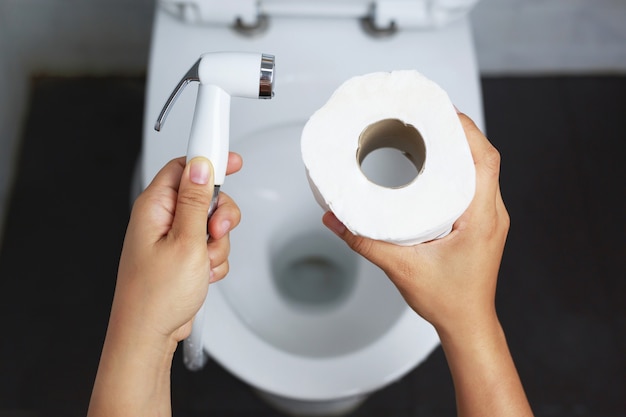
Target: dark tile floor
(561,293)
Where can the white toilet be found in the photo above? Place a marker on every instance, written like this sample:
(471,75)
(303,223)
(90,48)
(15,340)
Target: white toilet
(308,324)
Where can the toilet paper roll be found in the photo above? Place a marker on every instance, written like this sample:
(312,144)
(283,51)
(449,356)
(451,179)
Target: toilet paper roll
(401,110)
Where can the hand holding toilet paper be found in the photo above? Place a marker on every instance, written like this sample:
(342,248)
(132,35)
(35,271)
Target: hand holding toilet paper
(405,111)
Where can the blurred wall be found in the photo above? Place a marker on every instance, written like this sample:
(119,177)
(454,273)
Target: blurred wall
(550,36)
(64,38)
(67,37)
(12,104)
(99,37)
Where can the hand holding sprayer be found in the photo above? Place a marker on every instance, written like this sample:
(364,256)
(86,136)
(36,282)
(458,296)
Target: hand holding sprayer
(221,75)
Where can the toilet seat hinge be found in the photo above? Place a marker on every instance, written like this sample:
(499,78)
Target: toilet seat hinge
(417,14)
(227,13)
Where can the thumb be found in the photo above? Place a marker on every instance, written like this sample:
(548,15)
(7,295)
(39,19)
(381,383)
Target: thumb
(378,252)
(194,197)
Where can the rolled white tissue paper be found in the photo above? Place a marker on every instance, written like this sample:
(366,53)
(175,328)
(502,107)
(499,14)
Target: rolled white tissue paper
(402,110)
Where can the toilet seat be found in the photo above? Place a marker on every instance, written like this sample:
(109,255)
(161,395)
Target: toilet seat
(247,305)
(291,376)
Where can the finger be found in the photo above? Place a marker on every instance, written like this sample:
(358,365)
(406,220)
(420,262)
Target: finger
(194,198)
(235,162)
(378,252)
(157,199)
(225,218)
(170,174)
(219,250)
(487,163)
(219,272)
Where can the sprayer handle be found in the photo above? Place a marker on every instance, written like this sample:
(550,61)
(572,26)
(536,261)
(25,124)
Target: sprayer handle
(210,129)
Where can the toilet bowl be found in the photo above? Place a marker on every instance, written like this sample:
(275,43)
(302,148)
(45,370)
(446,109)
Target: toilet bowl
(307,323)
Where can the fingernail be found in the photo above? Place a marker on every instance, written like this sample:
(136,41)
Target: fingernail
(456,109)
(225,227)
(211,276)
(199,171)
(335,225)
(221,229)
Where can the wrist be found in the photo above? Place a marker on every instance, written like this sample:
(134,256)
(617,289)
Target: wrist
(469,329)
(484,375)
(134,373)
(137,338)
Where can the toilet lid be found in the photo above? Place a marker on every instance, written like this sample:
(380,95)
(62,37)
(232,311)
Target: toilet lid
(404,14)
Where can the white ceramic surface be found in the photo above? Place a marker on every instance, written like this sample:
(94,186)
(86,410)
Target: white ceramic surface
(346,345)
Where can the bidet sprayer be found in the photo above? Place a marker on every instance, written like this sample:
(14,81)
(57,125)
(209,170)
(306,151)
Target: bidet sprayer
(221,75)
